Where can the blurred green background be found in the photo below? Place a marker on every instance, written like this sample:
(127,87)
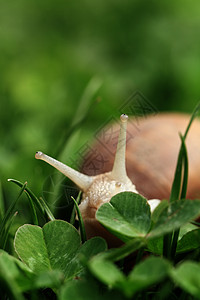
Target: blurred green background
(57,55)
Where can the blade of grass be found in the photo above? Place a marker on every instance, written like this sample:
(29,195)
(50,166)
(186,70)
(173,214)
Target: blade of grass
(176,186)
(84,108)
(168,244)
(85,103)
(183,193)
(81,223)
(185,165)
(2,209)
(31,194)
(194,115)
(10,211)
(167,240)
(40,203)
(47,210)
(179,185)
(195,223)
(6,232)
(73,215)
(33,210)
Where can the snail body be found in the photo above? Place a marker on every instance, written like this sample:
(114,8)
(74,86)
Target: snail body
(147,166)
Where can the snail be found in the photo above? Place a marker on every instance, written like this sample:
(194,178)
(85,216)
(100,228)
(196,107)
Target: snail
(152,152)
(151,158)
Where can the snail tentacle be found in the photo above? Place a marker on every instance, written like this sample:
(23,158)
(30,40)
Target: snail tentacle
(81,180)
(118,172)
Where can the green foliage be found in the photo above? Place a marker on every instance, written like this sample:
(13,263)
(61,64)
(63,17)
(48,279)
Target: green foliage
(53,256)
(56,59)
(81,223)
(127,215)
(175,215)
(158,259)
(8,218)
(55,246)
(43,248)
(87,289)
(151,271)
(187,276)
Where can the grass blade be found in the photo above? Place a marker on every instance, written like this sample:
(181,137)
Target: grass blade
(176,186)
(185,165)
(31,194)
(40,203)
(2,209)
(179,186)
(6,232)
(86,99)
(10,211)
(81,223)
(33,211)
(47,210)
(183,193)
(194,115)
(85,106)
(73,215)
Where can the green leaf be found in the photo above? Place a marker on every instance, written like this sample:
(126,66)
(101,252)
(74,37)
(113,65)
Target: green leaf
(15,275)
(49,279)
(187,228)
(85,252)
(127,215)
(178,213)
(155,245)
(18,277)
(106,271)
(151,271)
(56,246)
(187,276)
(116,254)
(185,243)
(87,290)
(50,247)
(189,241)
(159,210)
